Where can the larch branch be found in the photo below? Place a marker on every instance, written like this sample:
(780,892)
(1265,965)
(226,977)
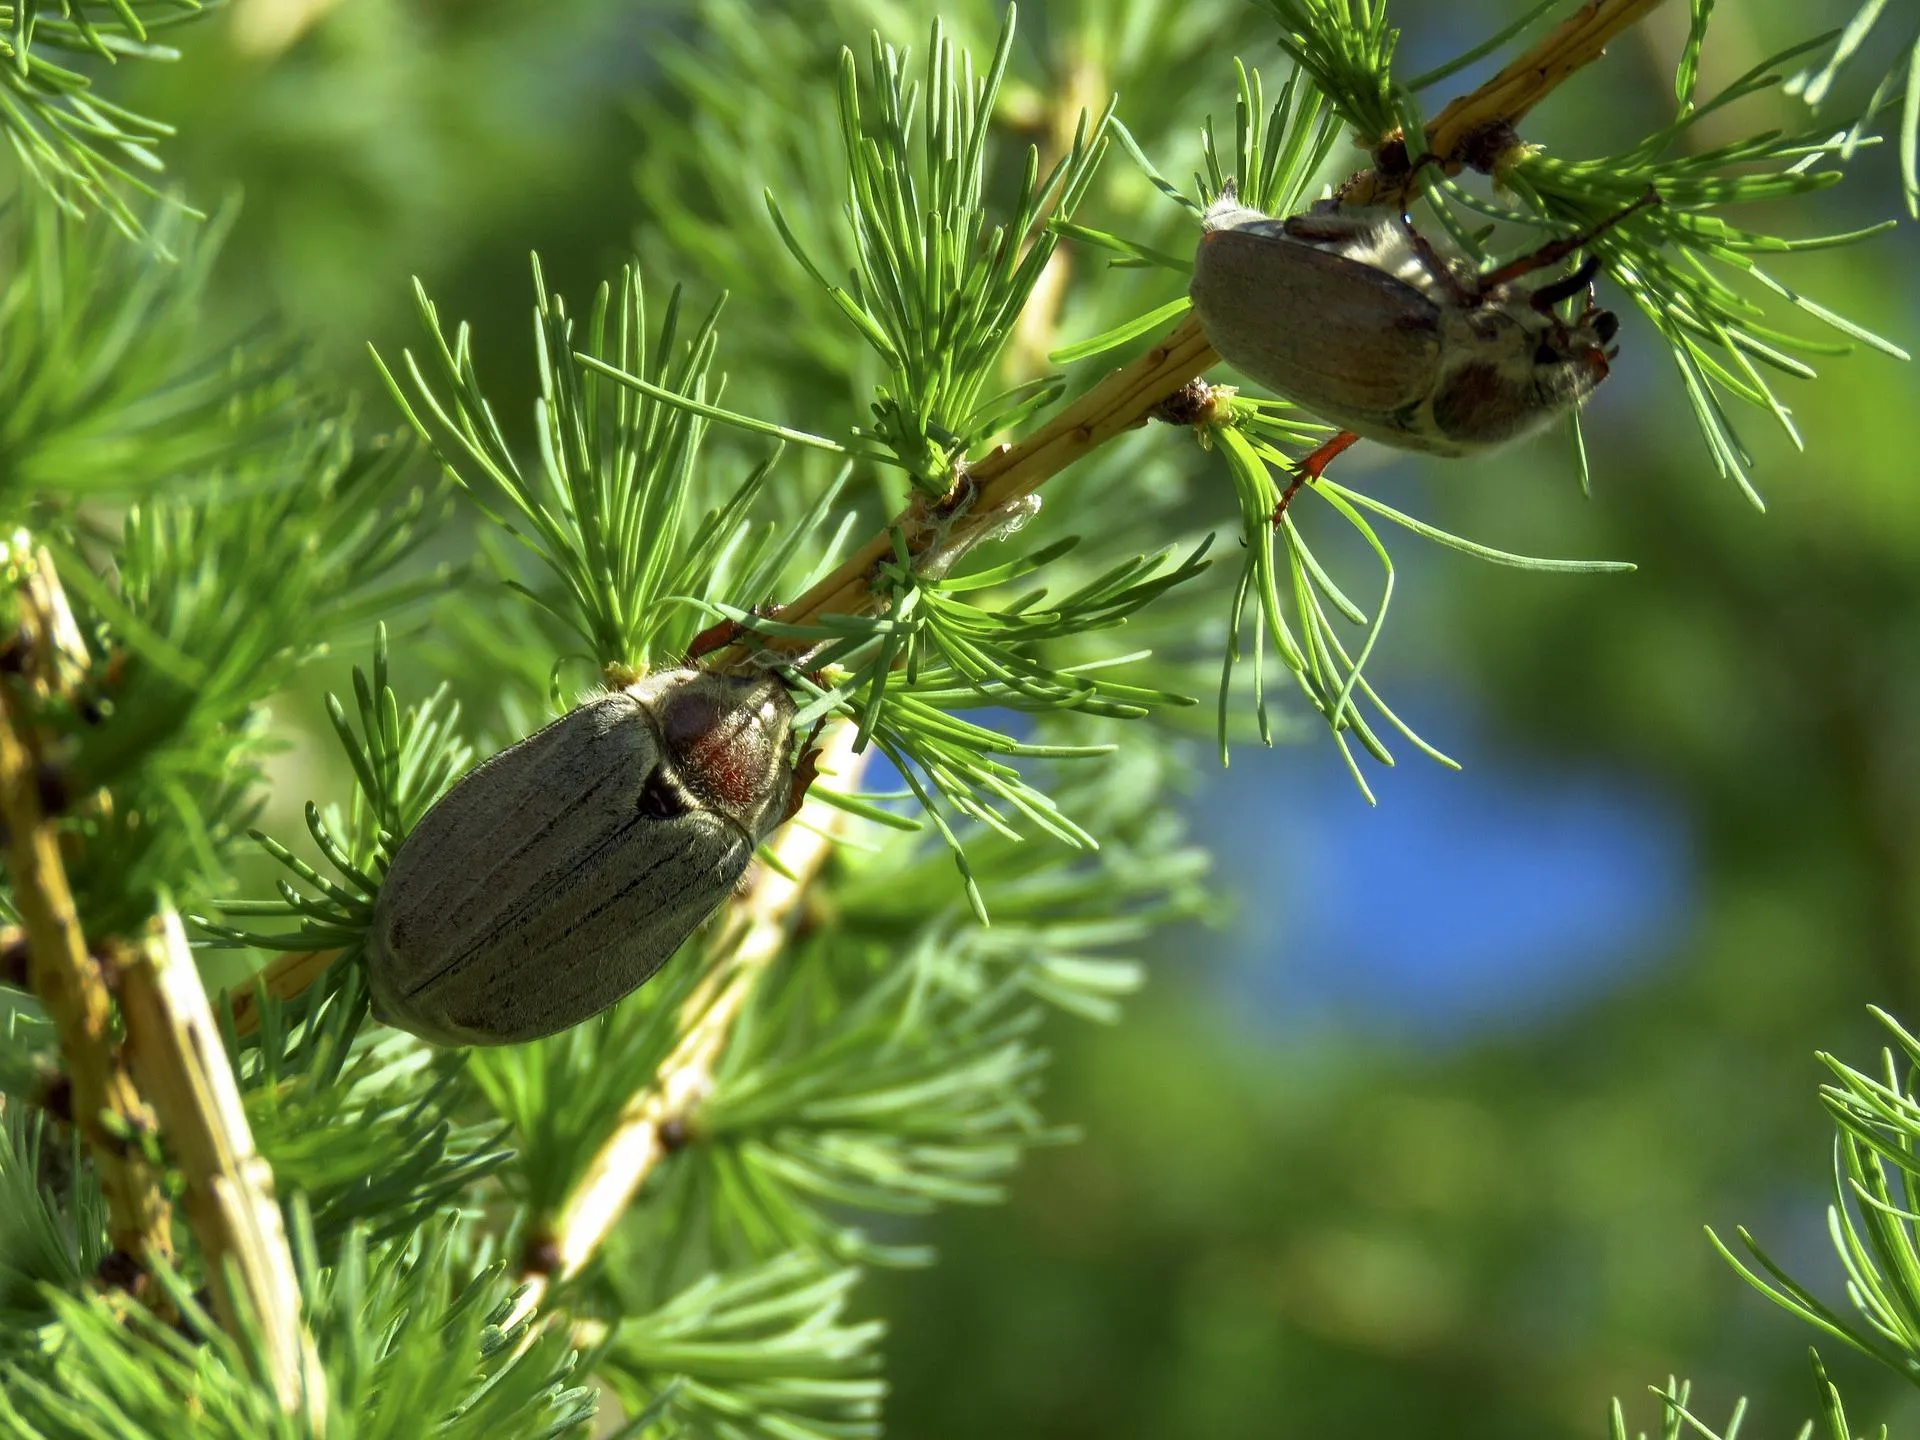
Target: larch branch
(184,1071)
(68,978)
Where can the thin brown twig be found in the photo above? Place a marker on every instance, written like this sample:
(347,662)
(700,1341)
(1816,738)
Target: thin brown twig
(1122,401)
(1574,43)
(1506,99)
(70,982)
(183,1070)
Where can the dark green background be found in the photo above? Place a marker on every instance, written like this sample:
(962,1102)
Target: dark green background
(1309,1225)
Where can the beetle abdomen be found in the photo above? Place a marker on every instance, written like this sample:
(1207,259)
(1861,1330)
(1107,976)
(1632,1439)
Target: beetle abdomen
(1347,341)
(583,938)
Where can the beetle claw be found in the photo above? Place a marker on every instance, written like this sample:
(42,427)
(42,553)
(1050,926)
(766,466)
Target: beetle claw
(805,771)
(804,774)
(1311,469)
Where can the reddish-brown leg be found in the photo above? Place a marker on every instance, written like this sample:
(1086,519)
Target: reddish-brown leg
(1312,468)
(804,773)
(1555,251)
(722,633)
(716,636)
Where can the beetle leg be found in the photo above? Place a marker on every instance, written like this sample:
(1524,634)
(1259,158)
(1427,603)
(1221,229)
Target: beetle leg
(1424,158)
(722,633)
(1436,263)
(1555,251)
(804,773)
(1311,469)
(1393,169)
(1605,324)
(716,636)
(1390,161)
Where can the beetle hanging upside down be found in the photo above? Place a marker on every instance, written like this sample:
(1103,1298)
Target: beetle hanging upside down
(1354,315)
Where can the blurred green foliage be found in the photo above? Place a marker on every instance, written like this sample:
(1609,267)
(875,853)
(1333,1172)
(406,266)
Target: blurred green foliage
(1260,1236)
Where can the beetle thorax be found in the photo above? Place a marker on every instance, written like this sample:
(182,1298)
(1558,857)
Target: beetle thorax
(726,741)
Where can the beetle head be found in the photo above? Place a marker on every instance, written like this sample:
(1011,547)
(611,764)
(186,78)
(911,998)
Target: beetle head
(1571,358)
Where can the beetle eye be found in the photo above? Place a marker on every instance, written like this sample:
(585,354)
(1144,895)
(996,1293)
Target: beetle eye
(660,799)
(1545,354)
(1606,325)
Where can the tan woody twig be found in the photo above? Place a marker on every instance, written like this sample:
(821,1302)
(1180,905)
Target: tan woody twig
(1506,99)
(182,1067)
(1575,42)
(751,936)
(1118,403)
(171,1047)
(68,979)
